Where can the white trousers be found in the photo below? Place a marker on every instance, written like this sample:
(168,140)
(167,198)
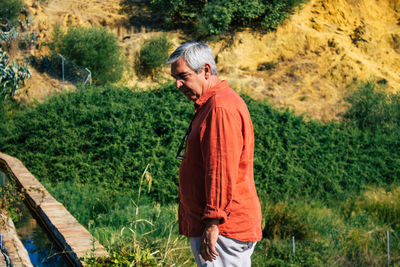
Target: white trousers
(231,252)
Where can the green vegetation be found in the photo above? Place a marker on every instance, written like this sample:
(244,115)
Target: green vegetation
(220,16)
(11,76)
(10,202)
(103,135)
(333,186)
(153,55)
(372,109)
(93,48)
(9,11)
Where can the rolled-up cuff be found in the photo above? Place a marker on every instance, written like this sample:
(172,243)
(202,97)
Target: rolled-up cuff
(215,213)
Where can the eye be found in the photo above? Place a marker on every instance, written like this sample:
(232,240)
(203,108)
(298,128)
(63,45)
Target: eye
(184,76)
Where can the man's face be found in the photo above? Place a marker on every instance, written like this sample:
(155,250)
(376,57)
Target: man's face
(190,83)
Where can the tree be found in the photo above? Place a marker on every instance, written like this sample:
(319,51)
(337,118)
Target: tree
(9,10)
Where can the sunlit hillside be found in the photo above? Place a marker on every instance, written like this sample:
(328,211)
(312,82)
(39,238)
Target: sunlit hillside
(308,64)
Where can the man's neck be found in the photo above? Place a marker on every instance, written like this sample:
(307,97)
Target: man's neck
(212,81)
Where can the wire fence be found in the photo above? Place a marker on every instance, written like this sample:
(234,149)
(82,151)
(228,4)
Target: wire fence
(57,65)
(66,70)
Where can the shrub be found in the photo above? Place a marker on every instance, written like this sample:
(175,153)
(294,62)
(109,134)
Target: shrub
(177,12)
(94,48)
(103,135)
(275,14)
(372,109)
(220,16)
(9,10)
(214,19)
(153,55)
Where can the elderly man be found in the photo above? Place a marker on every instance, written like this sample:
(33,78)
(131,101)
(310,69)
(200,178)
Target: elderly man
(219,209)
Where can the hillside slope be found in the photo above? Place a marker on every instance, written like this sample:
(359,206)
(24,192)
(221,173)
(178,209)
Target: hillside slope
(318,53)
(307,64)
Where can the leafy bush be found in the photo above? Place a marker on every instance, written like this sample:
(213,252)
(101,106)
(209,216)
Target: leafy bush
(9,10)
(103,135)
(276,13)
(93,48)
(219,16)
(177,12)
(11,76)
(373,109)
(298,158)
(153,55)
(214,19)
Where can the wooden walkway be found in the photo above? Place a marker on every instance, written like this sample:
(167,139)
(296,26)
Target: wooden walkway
(69,234)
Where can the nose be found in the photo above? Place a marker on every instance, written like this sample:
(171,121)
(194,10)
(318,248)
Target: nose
(178,83)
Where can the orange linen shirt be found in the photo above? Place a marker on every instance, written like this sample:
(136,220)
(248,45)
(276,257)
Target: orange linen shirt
(216,175)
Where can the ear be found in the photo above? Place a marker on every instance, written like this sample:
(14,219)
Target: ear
(207,71)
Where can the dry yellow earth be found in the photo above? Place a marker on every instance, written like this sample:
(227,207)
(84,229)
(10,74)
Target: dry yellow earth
(310,61)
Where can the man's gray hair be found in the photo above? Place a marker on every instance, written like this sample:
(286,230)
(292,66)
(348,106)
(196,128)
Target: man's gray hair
(196,56)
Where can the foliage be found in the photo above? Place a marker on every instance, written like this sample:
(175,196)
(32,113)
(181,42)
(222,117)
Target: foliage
(123,258)
(284,222)
(214,19)
(11,76)
(108,135)
(177,11)
(153,55)
(10,11)
(103,135)
(10,200)
(372,109)
(220,16)
(380,204)
(280,253)
(90,149)
(148,236)
(297,158)
(93,48)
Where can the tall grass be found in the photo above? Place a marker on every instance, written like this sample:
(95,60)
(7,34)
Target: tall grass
(133,232)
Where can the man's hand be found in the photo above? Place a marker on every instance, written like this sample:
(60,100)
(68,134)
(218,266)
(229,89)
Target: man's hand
(209,239)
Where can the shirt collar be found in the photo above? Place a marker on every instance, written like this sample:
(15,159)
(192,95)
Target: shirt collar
(210,92)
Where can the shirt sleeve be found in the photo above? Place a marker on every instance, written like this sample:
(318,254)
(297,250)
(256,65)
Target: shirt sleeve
(221,143)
